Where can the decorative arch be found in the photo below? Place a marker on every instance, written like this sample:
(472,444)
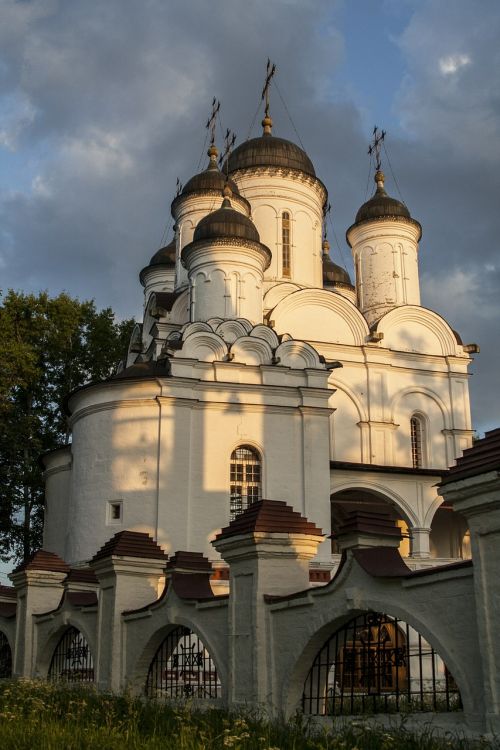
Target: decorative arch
(5,656)
(417,329)
(297,354)
(204,346)
(322,627)
(420,389)
(319,315)
(72,658)
(182,667)
(230,330)
(265,333)
(278,292)
(252,351)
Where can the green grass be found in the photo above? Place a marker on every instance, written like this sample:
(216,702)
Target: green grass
(52,717)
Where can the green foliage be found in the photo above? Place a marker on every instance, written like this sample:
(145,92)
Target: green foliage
(48,346)
(49,716)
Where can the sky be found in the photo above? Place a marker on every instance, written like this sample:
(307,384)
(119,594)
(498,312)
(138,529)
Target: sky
(103,104)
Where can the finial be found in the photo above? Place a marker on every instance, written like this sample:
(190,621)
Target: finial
(379,180)
(212,154)
(326,247)
(267,123)
(227,192)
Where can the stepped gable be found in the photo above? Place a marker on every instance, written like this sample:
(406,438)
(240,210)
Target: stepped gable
(130,544)
(189,561)
(7,592)
(484,456)
(43,560)
(82,575)
(272,516)
(368,523)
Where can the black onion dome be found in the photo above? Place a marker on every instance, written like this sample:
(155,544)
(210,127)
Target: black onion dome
(269,151)
(334,275)
(226,222)
(381,204)
(165,256)
(212,179)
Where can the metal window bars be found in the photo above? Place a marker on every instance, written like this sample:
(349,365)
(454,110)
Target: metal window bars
(72,659)
(285,244)
(378,664)
(182,668)
(245,479)
(416,433)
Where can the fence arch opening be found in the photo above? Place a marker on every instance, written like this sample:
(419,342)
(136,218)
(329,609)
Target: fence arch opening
(72,658)
(182,667)
(5,656)
(378,664)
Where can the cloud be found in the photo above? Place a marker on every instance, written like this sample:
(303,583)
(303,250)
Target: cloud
(452,63)
(104,105)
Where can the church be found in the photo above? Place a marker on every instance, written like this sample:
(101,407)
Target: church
(261,370)
(275,503)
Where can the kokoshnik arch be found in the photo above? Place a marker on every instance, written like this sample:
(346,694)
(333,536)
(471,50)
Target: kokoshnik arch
(259,371)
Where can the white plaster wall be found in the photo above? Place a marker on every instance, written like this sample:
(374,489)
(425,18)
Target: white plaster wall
(163,449)
(385,256)
(272,192)
(57,477)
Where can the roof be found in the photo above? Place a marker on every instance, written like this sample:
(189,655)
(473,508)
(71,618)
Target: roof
(80,598)
(383,206)
(484,456)
(226,222)
(143,370)
(43,560)
(130,544)
(8,592)
(81,575)
(269,151)
(272,516)
(209,180)
(189,561)
(368,522)
(335,275)
(165,256)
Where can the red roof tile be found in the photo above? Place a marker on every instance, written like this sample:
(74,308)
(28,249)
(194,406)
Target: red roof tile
(270,516)
(482,457)
(8,591)
(368,522)
(81,598)
(381,562)
(194,561)
(130,544)
(42,560)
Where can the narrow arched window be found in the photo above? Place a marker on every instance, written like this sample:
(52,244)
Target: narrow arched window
(245,479)
(286,244)
(417,435)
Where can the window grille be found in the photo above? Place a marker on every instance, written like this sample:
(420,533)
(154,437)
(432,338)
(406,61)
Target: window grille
(182,668)
(245,479)
(72,659)
(286,244)
(417,441)
(5,656)
(378,664)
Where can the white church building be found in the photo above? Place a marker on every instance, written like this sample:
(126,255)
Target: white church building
(275,502)
(261,371)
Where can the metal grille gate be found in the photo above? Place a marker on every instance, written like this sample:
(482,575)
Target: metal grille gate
(72,659)
(182,668)
(378,664)
(5,656)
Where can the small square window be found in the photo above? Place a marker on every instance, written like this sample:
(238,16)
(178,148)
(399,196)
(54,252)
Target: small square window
(115,512)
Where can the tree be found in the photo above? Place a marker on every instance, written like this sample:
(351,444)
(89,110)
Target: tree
(48,347)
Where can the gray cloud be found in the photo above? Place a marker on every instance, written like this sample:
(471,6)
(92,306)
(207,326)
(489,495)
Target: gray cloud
(112,98)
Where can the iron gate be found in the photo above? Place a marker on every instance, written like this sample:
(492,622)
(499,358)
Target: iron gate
(182,667)
(72,659)
(378,664)
(5,656)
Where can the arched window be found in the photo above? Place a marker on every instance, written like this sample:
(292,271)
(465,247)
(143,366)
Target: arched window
(182,668)
(72,659)
(286,252)
(5,656)
(245,479)
(378,664)
(417,435)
